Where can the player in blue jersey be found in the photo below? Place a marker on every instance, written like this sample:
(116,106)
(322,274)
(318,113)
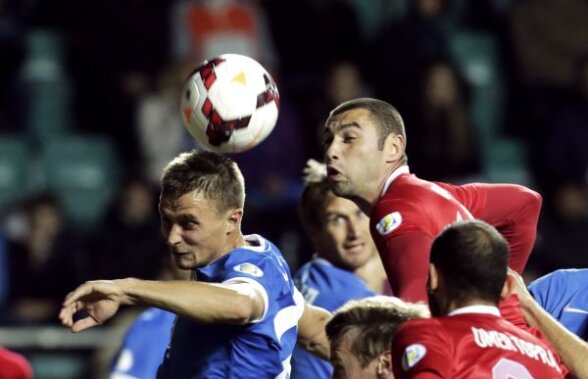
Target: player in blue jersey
(345,262)
(564,294)
(144,345)
(572,350)
(237,317)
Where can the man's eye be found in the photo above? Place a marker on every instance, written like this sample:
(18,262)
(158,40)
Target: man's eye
(189,224)
(348,139)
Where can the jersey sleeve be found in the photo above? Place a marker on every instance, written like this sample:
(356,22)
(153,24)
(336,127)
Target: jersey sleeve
(420,350)
(406,260)
(259,270)
(512,209)
(404,248)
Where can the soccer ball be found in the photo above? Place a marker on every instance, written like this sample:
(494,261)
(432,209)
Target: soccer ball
(230,103)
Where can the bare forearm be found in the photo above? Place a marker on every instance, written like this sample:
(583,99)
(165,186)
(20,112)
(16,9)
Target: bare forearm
(202,302)
(571,349)
(312,334)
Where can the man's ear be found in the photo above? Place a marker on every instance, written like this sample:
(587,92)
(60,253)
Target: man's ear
(433,277)
(384,369)
(394,146)
(234,220)
(508,287)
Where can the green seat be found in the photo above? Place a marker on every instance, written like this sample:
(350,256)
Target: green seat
(15,159)
(49,110)
(507,162)
(48,87)
(82,171)
(476,55)
(50,365)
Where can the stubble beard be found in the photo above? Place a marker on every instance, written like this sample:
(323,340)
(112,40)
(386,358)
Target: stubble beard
(343,189)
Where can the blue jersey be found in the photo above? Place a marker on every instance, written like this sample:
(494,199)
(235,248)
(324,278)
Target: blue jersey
(564,294)
(260,349)
(144,345)
(329,287)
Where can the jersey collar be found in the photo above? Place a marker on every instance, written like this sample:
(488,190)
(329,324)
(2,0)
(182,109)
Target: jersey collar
(485,309)
(396,173)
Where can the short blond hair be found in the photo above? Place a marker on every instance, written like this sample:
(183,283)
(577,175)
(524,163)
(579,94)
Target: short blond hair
(377,319)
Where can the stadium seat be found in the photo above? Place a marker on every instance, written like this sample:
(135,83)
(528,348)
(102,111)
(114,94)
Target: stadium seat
(82,171)
(507,163)
(62,365)
(15,159)
(48,88)
(476,55)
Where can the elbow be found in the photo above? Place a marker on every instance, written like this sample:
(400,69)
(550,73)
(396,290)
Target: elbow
(533,201)
(243,311)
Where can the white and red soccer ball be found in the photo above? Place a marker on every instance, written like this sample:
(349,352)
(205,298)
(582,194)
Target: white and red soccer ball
(230,103)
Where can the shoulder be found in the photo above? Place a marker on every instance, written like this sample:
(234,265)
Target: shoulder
(327,286)
(421,346)
(421,326)
(564,280)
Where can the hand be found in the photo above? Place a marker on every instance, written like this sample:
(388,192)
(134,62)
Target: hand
(518,287)
(100,299)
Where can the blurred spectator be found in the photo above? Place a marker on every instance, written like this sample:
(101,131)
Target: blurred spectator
(325,32)
(344,81)
(548,37)
(203,29)
(161,133)
(445,145)
(566,153)
(117,48)
(129,234)
(562,230)
(311,36)
(405,48)
(44,265)
(12,51)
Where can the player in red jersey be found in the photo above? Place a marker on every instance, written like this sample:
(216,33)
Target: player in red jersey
(14,366)
(467,338)
(365,145)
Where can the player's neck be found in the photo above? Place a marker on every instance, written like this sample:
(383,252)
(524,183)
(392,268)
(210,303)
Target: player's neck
(373,274)
(237,241)
(366,201)
(466,303)
(390,176)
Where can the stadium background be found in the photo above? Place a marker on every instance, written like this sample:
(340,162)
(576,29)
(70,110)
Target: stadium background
(491,90)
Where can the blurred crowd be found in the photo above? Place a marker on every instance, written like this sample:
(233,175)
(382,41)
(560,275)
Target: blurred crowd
(495,90)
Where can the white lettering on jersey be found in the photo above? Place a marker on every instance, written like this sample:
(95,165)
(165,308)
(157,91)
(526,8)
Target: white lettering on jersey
(310,294)
(412,355)
(388,223)
(491,338)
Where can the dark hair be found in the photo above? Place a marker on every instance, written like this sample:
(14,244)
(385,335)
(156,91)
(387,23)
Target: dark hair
(386,117)
(213,176)
(472,257)
(377,319)
(317,190)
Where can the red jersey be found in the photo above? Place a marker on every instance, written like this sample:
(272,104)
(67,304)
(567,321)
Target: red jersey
(14,366)
(473,342)
(411,212)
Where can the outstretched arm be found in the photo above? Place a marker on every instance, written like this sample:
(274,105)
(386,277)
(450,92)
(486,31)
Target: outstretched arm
(571,349)
(235,302)
(312,334)
(510,208)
